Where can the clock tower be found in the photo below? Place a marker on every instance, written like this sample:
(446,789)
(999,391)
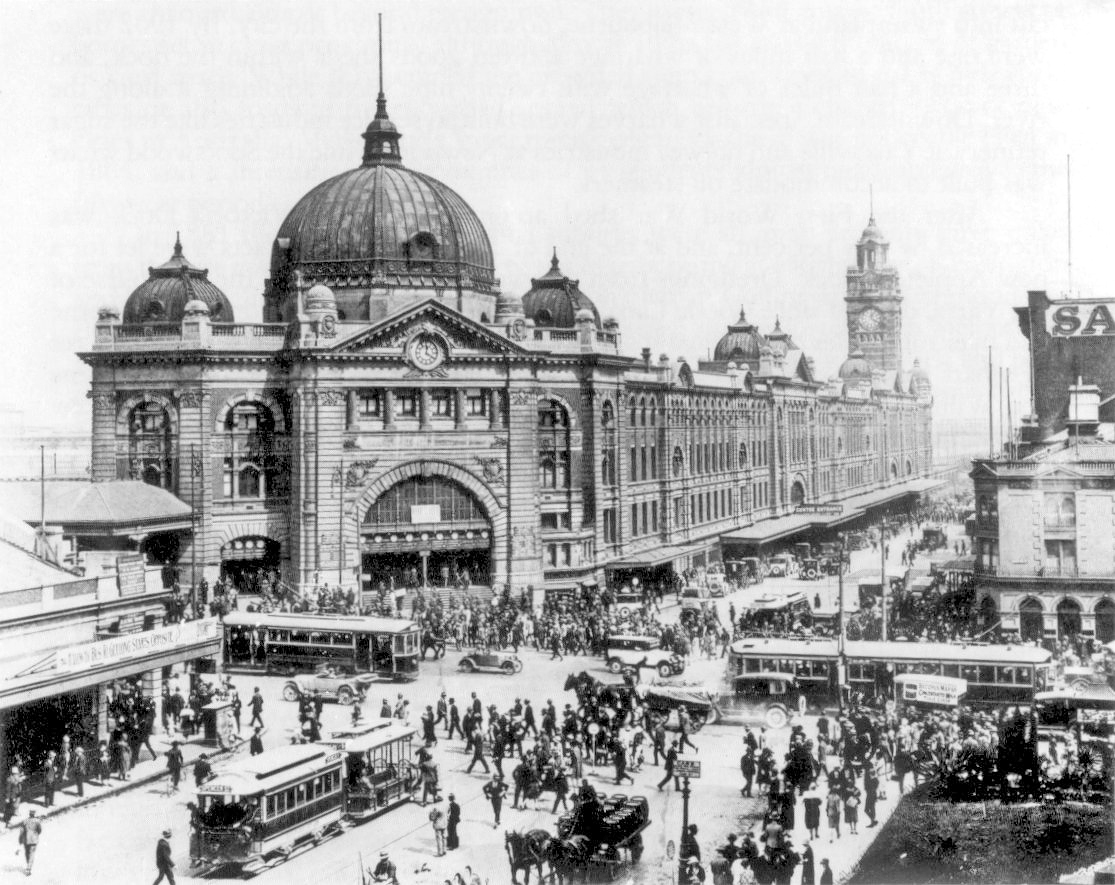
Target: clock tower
(874,302)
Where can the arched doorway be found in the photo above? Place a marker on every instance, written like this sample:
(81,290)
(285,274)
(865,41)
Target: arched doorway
(1068,618)
(1105,620)
(250,560)
(1031,620)
(797,493)
(426,530)
(988,613)
(894,470)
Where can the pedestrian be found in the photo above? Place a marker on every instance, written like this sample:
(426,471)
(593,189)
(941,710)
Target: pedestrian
(832,811)
(669,762)
(428,723)
(453,818)
(442,711)
(478,752)
(747,768)
(870,794)
(385,709)
(103,769)
(29,832)
(619,759)
(174,763)
(50,778)
(255,742)
(123,758)
(80,769)
(454,720)
(807,874)
(826,872)
(851,811)
(440,822)
(202,770)
(812,802)
(256,706)
(237,707)
(164,863)
(384,870)
(685,724)
(494,791)
(561,790)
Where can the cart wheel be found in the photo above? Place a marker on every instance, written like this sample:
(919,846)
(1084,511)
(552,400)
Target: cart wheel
(344,695)
(698,718)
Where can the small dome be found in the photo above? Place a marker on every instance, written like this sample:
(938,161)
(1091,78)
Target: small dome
(508,306)
(195,308)
(856,367)
(170,287)
(321,298)
(554,300)
(872,234)
(918,373)
(742,344)
(108,314)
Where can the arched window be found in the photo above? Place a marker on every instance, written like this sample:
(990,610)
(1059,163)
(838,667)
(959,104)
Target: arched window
(1068,618)
(1060,511)
(642,412)
(553,445)
(150,446)
(653,413)
(248,483)
(678,461)
(251,468)
(742,456)
(607,414)
(1105,620)
(1031,620)
(633,408)
(608,469)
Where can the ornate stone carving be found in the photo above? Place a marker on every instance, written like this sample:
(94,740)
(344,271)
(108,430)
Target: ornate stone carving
(492,468)
(191,398)
(331,396)
(103,400)
(500,442)
(358,473)
(524,540)
(524,396)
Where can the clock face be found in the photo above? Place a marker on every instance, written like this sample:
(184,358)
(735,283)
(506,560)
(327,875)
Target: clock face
(426,352)
(870,319)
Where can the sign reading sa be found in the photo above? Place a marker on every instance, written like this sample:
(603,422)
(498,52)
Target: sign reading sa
(1081,318)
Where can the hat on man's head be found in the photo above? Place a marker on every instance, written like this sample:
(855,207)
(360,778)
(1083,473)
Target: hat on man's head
(166,834)
(382,854)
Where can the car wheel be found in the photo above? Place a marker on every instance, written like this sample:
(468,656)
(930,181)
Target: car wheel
(518,666)
(624,611)
(344,695)
(615,665)
(664,669)
(508,667)
(291,692)
(468,666)
(776,718)
(697,719)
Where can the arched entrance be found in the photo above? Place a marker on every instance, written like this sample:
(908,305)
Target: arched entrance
(426,530)
(1105,620)
(249,560)
(1068,618)
(988,613)
(1031,621)
(797,493)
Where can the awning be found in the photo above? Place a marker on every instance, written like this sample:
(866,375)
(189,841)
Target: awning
(772,529)
(963,564)
(113,508)
(655,556)
(1090,697)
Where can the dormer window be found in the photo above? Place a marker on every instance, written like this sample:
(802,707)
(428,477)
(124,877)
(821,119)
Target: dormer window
(387,147)
(421,247)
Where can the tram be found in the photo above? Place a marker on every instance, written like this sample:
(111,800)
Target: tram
(258,811)
(292,642)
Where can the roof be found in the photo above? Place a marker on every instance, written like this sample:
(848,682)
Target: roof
(555,299)
(374,739)
(163,296)
(296,620)
(897,651)
(1096,697)
(21,569)
(654,556)
(117,503)
(271,769)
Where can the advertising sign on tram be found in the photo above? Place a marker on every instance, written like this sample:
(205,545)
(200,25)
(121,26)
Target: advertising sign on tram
(944,691)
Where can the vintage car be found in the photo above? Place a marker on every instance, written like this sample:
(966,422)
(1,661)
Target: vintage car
(717,585)
(332,683)
(782,565)
(491,660)
(663,698)
(642,651)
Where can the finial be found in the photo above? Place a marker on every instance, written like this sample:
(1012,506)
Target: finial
(871,201)
(381,139)
(742,316)
(777,323)
(380,16)
(177,244)
(554,260)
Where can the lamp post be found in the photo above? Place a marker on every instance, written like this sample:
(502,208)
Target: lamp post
(883,577)
(841,637)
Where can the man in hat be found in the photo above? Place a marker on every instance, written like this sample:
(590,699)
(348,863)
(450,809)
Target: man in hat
(29,832)
(439,822)
(384,870)
(454,818)
(163,860)
(494,791)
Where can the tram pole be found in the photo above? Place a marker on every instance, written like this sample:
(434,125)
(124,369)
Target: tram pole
(883,576)
(841,636)
(684,824)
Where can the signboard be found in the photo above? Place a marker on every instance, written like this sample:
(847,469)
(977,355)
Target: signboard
(1081,318)
(823,509)
(131,574)
(687,768)
(134,645)
(942,690)
(423,513)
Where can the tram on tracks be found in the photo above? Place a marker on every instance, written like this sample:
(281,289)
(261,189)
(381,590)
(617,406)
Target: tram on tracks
(257,812)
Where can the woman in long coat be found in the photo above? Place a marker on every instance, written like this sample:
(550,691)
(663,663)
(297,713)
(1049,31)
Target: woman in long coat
(807,865)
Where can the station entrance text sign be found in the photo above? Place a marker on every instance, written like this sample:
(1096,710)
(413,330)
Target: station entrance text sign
(687,768)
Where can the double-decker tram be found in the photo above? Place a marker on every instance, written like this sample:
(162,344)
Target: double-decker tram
(292,642)
(258,811)
(776,677)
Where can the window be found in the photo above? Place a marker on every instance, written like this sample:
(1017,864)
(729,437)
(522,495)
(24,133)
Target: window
(607,414)
(654,516)
(645,508)
(553,470)
(634,519)
(609,517)
(441,403)
(634,465)
(1060,557)
(1060,511)
(654,462)
(608,469)
(642,462)
(150,447)
(477,404)
(406,402)
(553,442)
(370,404)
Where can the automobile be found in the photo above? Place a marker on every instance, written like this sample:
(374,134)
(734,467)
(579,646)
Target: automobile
(717,585)
(695,598)
(782,565)
(490,660)
(331,682)
(812,569)
(642,651)
(661,698)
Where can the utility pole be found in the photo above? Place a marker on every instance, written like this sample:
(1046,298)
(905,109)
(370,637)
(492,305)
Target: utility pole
(193,528)
(841,637)
(883,577)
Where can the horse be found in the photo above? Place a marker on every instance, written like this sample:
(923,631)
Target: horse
(525,850)
(434,640)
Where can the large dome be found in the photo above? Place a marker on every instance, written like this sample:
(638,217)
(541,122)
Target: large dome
(856,367)
(163,297)
(383,224)
(741,344)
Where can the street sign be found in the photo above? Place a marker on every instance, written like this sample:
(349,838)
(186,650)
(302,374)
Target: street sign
(687,768)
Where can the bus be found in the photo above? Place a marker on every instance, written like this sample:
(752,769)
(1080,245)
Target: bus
(774,678)
(291,642)
(257,811)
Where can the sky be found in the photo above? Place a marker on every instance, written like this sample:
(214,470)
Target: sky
(684,158)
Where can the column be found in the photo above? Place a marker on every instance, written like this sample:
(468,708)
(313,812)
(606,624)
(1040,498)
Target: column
(461,409)
(388,409)
(102,712)
(423,409)
(350,410)
(493,409)
(152,685)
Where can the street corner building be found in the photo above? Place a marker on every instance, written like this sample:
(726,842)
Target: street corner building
(396,413)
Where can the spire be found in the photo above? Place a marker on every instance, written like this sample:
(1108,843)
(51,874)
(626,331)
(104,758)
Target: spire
(870,195)
(777,323)
(381,138)
(177,244)
(742,316)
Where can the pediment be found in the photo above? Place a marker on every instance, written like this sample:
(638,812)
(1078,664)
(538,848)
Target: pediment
(420,331)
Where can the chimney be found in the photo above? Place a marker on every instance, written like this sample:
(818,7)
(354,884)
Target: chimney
(646,358)
(1084,409)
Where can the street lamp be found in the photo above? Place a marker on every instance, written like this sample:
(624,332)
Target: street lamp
(841,637)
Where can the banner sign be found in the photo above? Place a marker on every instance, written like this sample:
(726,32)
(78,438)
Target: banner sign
(131,576)
(1081,318)
(824,509)
(132,645)
(927,689)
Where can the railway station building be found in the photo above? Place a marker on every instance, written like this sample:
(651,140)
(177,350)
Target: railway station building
(394,414)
